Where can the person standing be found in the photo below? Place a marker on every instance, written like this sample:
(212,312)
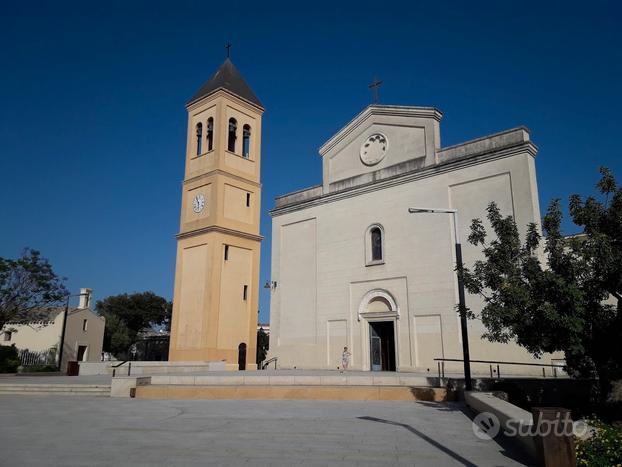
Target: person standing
(345,359)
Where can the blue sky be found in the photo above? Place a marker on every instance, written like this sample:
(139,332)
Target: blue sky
(92,117)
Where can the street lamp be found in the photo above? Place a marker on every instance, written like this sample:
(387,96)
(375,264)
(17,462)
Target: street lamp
(62,334)
(461,302)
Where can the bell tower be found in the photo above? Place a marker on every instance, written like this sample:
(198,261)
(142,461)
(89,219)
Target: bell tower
(217,271)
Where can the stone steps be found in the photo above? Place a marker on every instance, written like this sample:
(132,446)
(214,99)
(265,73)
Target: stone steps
(296,392)
(257,379)
(98,390)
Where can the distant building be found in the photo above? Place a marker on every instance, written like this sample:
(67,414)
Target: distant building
(41,334)
(265,327)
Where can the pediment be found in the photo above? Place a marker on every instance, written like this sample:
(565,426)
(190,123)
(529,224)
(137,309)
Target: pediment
(381,137)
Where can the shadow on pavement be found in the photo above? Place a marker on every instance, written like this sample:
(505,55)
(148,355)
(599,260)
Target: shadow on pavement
(424,437)
(508,448)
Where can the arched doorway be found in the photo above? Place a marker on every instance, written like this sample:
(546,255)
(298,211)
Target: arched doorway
(242,356)
(382,346)
(379,313)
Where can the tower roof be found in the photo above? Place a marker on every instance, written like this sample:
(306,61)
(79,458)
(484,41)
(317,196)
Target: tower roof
(229,78)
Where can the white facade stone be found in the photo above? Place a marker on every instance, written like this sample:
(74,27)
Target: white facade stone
(328,292)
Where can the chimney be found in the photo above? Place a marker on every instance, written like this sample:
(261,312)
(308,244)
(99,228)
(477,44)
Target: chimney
(85,298)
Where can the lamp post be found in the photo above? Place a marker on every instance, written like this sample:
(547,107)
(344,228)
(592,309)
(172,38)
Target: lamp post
(62,334)
(461,301)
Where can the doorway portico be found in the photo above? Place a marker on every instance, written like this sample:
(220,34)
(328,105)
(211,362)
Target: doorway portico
(378,315)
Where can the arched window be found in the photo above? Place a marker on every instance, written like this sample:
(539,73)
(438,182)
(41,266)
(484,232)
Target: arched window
(210,134)
(233,129)
(374,245)
(246,141)
(199,138)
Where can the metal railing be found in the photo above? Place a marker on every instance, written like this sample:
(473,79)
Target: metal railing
(129,368)
(441,366)
(265,364)
(32,358)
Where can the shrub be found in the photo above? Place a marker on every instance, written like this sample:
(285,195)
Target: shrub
(9,359)
(603,448)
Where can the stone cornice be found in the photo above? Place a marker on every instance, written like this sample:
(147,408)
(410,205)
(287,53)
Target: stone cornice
(222,92)
(372,110)
(314,187)
(219,229)
(220,172)
(487,137)
(426,172)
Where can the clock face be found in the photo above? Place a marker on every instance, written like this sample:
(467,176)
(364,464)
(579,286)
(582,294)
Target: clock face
(198,203)
(374,149)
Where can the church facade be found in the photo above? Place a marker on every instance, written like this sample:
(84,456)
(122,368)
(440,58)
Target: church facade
(352,267)
(218,245)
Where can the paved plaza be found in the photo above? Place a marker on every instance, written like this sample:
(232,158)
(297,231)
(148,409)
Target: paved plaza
(81,431)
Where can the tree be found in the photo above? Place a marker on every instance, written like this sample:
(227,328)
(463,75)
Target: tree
(9,359)
(563,303)
(28,285)
(263,343)
(126,315)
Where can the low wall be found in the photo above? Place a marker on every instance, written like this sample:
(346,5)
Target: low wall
(509,417)
(150,368)
(164,368)
(282,392)
(95,368)
(122,386)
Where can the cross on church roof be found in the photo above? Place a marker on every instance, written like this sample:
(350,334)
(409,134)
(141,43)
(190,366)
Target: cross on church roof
(374,86)
(228,47)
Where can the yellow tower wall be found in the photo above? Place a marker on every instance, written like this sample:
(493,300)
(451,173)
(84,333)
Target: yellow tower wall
(211,316)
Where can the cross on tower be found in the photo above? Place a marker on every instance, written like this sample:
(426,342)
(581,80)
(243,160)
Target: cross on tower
(228,47)
(374,86)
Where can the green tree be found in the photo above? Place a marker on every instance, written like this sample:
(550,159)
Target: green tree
(28,285)
(263,344)
(9,359)
(563,303)
(126,315)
